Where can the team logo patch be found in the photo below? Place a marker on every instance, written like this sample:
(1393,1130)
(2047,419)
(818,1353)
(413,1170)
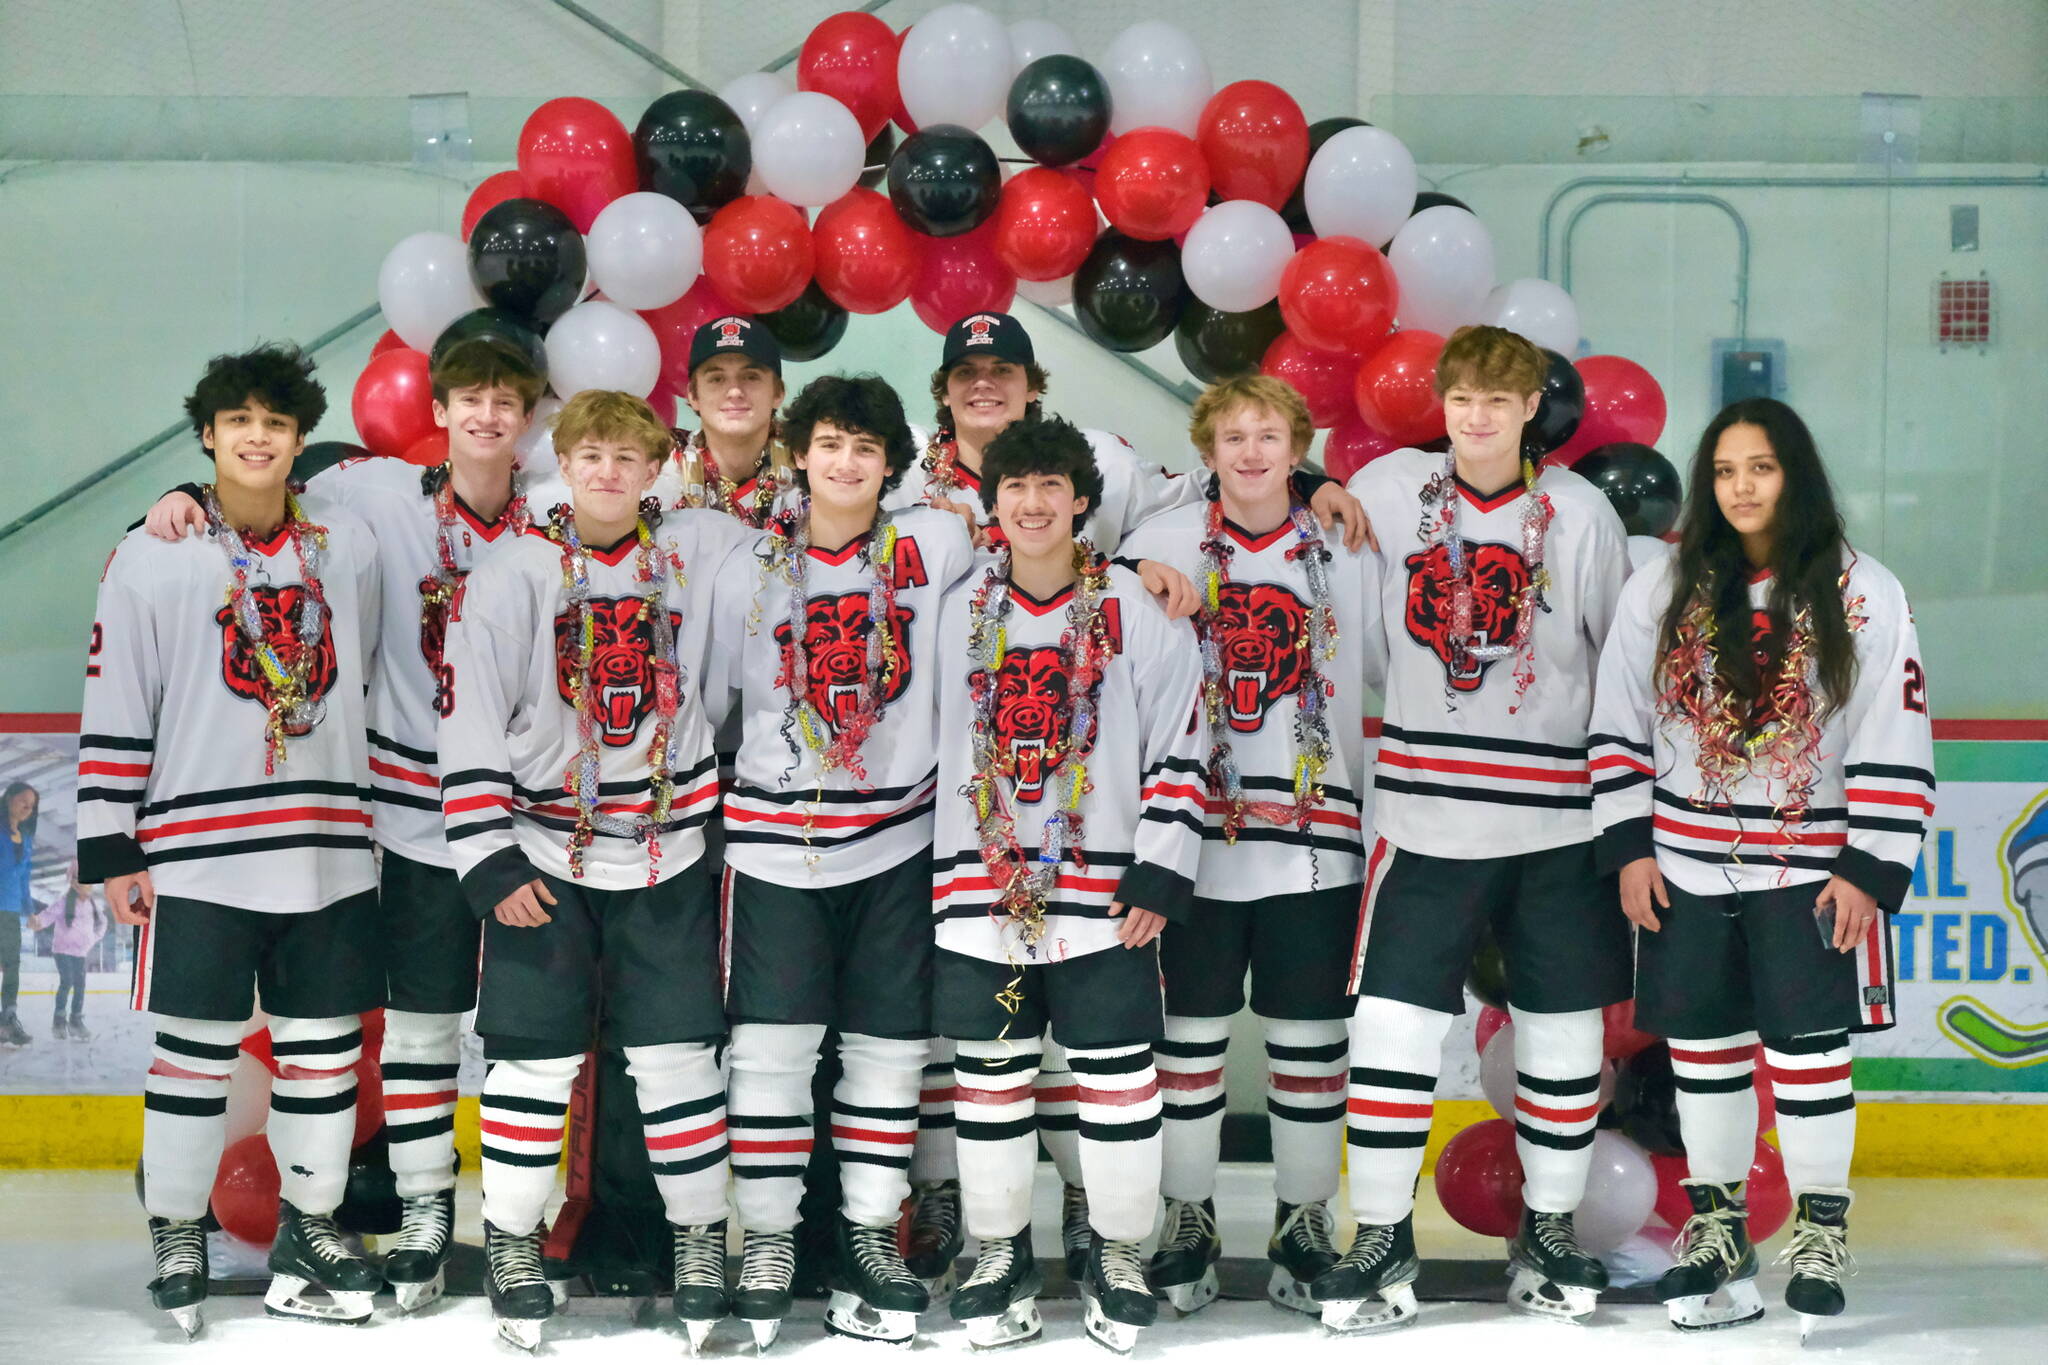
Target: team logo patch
(621,664)
(1033,709)
(1260,633)
(980,331)
(279,609)
(1499,577)
(836,630)
(732,332)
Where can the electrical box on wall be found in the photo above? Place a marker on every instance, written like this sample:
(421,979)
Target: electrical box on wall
(1753,367)
(1963,313)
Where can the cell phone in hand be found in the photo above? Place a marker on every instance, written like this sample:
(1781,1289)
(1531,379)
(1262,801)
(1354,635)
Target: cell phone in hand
(1824,921)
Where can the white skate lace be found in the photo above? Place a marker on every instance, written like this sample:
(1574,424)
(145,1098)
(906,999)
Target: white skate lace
(993,1261)
(1707,1238)
(424,1226)
(1123,1267)
(770,1261)
(180,1248)
(1818,1251)
(936,1220)
(1555,1232)
(323,1238)
(875,1250)
(1188,1226)
(1074,1229)
(699,1254)
(1308,1226)
(515,1259)
(1370,1243)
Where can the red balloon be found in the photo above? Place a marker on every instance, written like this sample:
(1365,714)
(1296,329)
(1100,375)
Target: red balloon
(430,449)
(1491,1020)
(1396,388)
(1622,1038)
(960,275)
(758,253)
(1322,378)
(494,190)
(899,114)
(373,1032)
(369,1099)
(675,327)
(1624,402)
(851,56)
(1153,183)
(257,1045)
(390,341)
(665,401)
(575,154)
(1044,225)
(1672,1207)
(1766,1098)
(1338,294)
(1768,1196)
(1479,1179)
(866,255)
(393,404)
(245,1189)
(1256,141)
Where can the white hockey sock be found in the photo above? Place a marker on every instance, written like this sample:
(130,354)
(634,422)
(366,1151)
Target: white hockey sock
(1059,1117)
(874,1124)
(525,1104)
(1190,1064)
(1396,1049)
(1816,1108)
(1305,1062)
(1716,1104)
(1557,1098)
(421,1055)
(313,1107)
(772,1124)
(682,1115)
(935,1157)
(1118,1094)
(993,1113)
(185,1112)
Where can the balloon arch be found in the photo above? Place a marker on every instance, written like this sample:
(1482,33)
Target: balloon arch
(1256,239)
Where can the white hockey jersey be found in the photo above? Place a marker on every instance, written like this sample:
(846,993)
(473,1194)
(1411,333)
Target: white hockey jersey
(509,742)
(1469,765)
(171,753)
(1142,816)
(1133,491)
(857,827)
(1260,631)
(1875,770)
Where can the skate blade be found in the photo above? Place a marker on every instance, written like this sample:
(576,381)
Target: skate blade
(1736,1303)
(521,1332)
(286,1299)
(765,1331)
(1807,1323)
(191,1319)
(1193,1298)
(417,1295)
(1020,1323)
(849,1315)
(1292,1294)
(1105,1331)
(1349,1317)
(698,1330)
(560,1290)
(1539,1296)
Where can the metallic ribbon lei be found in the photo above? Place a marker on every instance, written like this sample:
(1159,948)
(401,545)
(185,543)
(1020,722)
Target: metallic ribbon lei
(286,687)
(1440,527)
(724,494)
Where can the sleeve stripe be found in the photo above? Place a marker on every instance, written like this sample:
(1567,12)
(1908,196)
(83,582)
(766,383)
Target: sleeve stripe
(1619,742)
(90,768)
(1878,797)
(140,746)
(1622,761)
(1895,771)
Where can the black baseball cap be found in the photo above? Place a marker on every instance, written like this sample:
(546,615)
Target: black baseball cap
(996,334)
(736,335)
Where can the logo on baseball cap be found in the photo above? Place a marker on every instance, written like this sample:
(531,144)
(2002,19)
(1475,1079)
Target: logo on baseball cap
(996,334)
(727,335)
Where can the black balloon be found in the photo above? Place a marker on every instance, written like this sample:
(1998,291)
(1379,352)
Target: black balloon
(1646,1101)
(1058,110)
(1562,407)
(370,1203)
(526,257)
(1430,199)
(1217,345)
(944,180)
(1295,210)
(1640,483)
(875,161)
(1129,294)
(807,328)
(693,148)
(496,324)
(1488,978)
(321,456)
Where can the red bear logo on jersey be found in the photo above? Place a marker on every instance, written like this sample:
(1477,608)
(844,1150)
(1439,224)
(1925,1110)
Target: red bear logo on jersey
(279,610)
(1261,634)
(621,664)
(1033,711)
(1499,577)
(836,630)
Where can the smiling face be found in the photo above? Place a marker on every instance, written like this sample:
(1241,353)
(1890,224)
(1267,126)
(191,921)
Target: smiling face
(253,447)
(1253,454)
(986,394)
(484,422)
(1037,513)
(1485,425)
(1748,480)
(607,479)
(845,469)
(21,806)
(735,397)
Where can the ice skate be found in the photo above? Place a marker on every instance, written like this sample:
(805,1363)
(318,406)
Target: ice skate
(75,1031)
(1714,1283)
(414,1267)
(521,1298)
(1548,1275)
(1075,1234)
(935,1236)
(309,1253)
(1372,1286)
(1118,1299)
(701,1299)
(12,1034)
(763,1297)
(179,1288)
(58,1032)
(998,1302)
(874,1295)
(1184,1267)
(1301,1249)
(1819,1253)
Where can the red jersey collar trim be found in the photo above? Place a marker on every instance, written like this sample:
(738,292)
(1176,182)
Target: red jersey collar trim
(966,476)
(489,530)
(1046,606)
(273,546)
(1759,575)
(1489,502)
(844,552)
(1256,543)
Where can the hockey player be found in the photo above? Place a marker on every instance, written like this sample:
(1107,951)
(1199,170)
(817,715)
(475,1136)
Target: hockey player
(1289,632)
(223,780)
(577,775)
(1763,769)
(431,527)
(828,850)
(1075,843)
(1502,582)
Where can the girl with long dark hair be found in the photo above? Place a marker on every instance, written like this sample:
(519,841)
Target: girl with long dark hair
(1763,775)
(19,806)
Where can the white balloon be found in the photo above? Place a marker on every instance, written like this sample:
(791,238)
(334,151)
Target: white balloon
(536,444)
(1621,1189)
(1234,255)
(1156,78)
(1031,39)
(645,250)
(808,149)
(424,285)
(1538,310)
(599,345)
(248,1097)
(1497,1071)
(955,67)
(1048,293)
(1443,261)
(1360,184)
(751,95)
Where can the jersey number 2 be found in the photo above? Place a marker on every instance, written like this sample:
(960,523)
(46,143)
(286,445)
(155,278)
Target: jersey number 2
(1916,687)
